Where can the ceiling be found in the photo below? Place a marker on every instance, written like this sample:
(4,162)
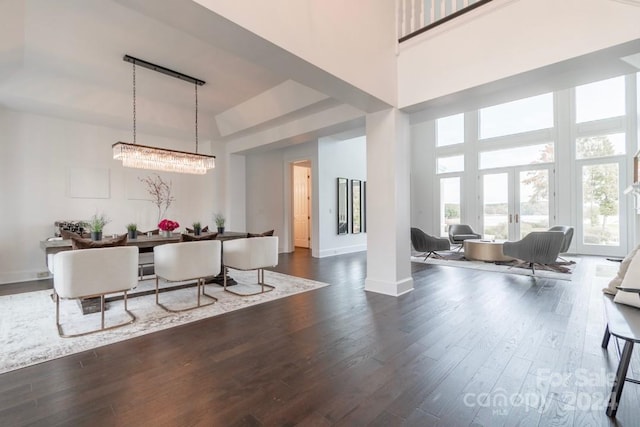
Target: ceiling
(64,59)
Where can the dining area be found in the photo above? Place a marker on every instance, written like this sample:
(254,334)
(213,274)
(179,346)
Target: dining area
(100,272)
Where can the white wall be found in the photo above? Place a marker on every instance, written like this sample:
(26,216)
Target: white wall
(265,198)
(344,159)
(505,38)
(38,153)
(268,192)
(353,40)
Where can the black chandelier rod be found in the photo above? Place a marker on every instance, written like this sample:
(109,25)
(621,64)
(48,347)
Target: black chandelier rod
(163,70)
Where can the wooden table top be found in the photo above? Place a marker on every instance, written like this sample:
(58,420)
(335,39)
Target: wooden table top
(142,241)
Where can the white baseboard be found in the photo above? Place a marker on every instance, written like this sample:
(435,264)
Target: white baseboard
(23,276)
(343,250)
(389,288)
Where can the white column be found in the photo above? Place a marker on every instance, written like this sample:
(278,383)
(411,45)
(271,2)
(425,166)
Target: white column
(388,203)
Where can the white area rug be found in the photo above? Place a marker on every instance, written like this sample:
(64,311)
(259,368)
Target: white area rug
(489,266)
(28,333)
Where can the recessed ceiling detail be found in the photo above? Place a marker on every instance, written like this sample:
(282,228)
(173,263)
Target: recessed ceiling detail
(278,101)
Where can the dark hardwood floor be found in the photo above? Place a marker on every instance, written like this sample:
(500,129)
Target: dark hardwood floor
(466,347)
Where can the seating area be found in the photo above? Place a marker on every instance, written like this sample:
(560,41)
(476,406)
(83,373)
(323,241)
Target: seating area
(94,272)
(536,249)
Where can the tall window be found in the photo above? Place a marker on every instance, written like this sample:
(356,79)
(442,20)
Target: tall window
(600,204)
(525,155)
(449,203)
(519,116)
(600,146)
(600,100)
(450,130)
(600,187)
(451,164)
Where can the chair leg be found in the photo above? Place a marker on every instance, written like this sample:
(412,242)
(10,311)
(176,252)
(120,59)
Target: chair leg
(132,318)
(533,268)
(200,285)
(618,383)
(606,337)
(260,282)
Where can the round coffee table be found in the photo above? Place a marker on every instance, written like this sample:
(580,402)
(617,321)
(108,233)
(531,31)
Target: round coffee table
(484,250)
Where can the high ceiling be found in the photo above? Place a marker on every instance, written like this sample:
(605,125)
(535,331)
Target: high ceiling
(65,59)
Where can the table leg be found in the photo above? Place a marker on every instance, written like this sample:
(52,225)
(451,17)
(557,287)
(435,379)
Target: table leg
(219,279)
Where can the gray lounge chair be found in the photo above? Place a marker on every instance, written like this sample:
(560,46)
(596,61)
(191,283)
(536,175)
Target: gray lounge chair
(458,233)
(422,242)
(538,247)
(568,236)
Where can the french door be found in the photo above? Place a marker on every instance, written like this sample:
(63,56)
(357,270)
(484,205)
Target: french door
(516,201)
(601,228)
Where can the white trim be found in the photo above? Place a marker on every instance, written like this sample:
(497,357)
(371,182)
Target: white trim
(342,250)
(22,276)
(395,289)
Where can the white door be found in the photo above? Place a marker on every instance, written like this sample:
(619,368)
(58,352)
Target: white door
(301,205)
(516,201)
(600,230)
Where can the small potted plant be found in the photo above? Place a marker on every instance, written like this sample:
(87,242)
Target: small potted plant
(219,219)
(132,229)
(96,225)
(167,226)
(197,228)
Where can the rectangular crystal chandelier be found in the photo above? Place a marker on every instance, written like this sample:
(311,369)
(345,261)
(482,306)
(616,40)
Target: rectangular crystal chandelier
(155,158)
(145,157)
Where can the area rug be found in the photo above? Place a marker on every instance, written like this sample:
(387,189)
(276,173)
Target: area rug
(559,271)
(28,333)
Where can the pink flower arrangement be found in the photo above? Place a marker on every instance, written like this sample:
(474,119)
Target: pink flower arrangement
(168,225)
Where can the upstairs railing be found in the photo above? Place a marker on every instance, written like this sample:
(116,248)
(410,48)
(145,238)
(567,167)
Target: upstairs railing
(417,16)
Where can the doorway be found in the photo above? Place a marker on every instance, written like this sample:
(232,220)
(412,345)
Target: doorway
(516,201)
(302,204)
(601,229)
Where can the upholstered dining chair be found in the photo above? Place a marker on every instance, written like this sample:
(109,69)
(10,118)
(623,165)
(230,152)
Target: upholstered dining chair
(426,244)
(184,261)
(458,233)
(255,253)
(568,236)
(538,247)
(87,273)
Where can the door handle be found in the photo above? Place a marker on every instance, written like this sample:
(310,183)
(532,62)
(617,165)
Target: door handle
(510,218)
(517,218)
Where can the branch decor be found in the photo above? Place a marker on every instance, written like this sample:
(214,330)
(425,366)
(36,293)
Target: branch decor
(160,192)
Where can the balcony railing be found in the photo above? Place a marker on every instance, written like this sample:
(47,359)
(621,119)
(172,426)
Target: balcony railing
(417,16)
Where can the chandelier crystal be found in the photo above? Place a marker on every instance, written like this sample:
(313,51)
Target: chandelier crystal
(145,157)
